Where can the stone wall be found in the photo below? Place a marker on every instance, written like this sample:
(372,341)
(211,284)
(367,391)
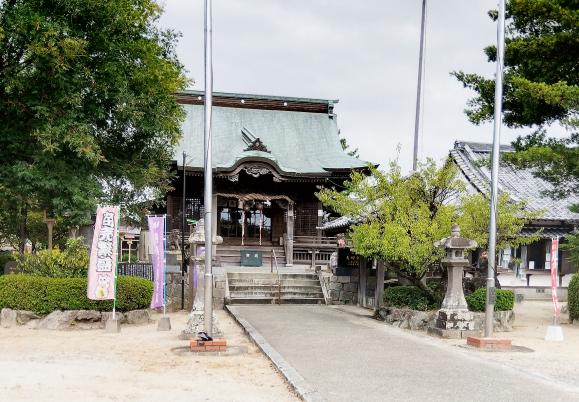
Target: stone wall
(342,289)
(174,291)
(419,320)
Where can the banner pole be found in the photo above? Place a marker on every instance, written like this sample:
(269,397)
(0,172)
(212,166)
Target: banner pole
(164,265)
(118,239)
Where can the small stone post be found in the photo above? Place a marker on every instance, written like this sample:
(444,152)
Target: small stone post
(454,320)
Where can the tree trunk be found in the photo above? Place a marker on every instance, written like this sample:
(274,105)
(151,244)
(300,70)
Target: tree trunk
(23,229)
(416,281)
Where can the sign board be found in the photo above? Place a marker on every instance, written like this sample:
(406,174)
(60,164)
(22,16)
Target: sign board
(554,265)
(102,271)
(157,248)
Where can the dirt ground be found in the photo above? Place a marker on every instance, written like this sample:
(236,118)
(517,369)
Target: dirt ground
(139,364)
(558,361)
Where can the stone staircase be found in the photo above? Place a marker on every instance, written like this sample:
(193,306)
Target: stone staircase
(229,255)
(265,288)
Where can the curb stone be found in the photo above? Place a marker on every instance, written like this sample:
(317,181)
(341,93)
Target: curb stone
(304,390)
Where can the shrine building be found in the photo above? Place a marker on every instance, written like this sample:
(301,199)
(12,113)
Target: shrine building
(270,155)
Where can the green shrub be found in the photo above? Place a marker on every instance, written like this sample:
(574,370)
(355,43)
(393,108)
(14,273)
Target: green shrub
(43,295)
(573,297)
(4,258)
(477,300)
(72,262)
(407,296)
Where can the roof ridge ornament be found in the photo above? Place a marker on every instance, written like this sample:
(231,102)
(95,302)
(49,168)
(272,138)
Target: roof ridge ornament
(253,143)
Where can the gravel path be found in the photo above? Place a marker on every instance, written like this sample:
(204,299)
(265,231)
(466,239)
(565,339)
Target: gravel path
(139,364)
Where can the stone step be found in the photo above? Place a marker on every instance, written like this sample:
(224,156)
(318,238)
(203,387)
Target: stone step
(274,293)
(274,300)
(267,275)
(273,282)
(288,287)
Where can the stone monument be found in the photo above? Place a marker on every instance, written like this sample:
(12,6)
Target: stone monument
(454,320)
(195,323)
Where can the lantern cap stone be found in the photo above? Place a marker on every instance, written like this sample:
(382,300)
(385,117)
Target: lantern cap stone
(455,241)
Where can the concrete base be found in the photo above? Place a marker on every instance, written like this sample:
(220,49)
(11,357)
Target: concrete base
(164,324)
(452,333)
(489,343)
(113,326)
(554,333)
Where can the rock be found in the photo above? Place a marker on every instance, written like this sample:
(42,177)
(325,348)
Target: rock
(503,321)
(107,315)
(138,317)
(419,320)
(88,316)
(564,308)
(58,320)
(7,318)
(344,279)
(88,319)
(24,316)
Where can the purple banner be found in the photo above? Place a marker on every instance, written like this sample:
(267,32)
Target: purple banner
(157,247)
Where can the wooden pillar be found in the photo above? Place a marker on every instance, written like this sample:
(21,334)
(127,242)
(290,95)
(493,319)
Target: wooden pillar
(379,294)
(289,249)
(320,217)
(362,283)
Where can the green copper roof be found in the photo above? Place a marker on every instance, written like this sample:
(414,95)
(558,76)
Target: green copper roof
(297,142)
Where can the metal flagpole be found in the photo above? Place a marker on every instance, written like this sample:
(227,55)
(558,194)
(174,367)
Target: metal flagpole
(208,170)
(490,298)
(419,88)
(183,222)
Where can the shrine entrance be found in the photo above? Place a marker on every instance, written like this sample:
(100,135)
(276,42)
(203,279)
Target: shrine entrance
(252,219)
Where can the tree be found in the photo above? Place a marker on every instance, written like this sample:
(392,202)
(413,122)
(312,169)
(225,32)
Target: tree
(86,107)
(541,62)
(401,217)
(474,221)
(541,88)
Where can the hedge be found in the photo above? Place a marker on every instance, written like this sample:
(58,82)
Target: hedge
(43,295)
(477,300)
(406,296)
(573,297)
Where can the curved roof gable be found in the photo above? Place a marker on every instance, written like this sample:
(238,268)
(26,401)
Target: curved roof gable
(296,142)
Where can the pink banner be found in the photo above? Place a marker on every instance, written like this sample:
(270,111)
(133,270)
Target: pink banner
(157,247)
(103,255)
(554,265)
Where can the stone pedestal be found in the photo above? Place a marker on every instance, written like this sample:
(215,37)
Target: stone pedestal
(164,324)
(113,326)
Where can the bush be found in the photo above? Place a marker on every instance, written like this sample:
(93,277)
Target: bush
(4,258)
(573,297)
(477,300)
(72,262)
(407,296)
(43,295)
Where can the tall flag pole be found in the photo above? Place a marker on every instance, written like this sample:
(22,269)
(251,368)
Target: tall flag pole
(419,87)
(491,296)
(208,170)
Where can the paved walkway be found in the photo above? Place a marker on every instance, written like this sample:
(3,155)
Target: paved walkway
(343,355)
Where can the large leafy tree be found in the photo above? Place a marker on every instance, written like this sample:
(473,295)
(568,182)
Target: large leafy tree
(401,217)
(541,89)
(474,220)
(86,107)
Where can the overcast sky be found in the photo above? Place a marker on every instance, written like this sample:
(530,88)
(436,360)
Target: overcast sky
(364,53)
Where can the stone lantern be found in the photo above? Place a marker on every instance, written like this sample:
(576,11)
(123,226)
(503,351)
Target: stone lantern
(454,320)
(195,323)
